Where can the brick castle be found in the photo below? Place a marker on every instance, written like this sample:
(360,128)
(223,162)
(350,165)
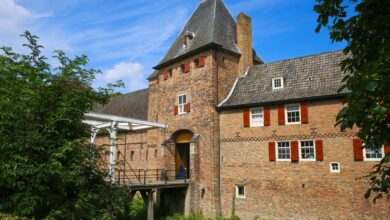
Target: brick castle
(251,137)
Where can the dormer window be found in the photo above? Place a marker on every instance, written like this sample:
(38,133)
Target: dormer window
(187,38)
(277,83)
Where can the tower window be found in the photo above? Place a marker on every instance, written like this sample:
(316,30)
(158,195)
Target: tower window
(182,104)
(187,38)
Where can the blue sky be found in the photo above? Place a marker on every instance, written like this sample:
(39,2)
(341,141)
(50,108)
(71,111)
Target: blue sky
(126,38)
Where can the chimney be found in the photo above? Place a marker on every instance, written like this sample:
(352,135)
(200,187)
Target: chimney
(244,41)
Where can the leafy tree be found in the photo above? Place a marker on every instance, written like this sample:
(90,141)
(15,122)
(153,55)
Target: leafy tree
(366,30)
(47,168)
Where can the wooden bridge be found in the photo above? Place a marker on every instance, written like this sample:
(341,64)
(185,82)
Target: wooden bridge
(145,181)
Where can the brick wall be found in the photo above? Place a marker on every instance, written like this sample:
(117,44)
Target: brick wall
(198,84)
(304,189)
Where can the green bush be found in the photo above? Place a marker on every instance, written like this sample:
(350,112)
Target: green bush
(138,211)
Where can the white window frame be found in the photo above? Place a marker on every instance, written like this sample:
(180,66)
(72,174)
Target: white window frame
(252,124)
(300,154)
(281,83)
(183,110)
(286,116)
(373,159)
(277,153)
(238,195)
(331,170)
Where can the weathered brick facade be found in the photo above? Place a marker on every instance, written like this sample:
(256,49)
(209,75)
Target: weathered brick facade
(285,189)
(225,154)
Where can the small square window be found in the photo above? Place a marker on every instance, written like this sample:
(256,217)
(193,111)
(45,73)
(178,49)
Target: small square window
(240,192)
(334,167)
(293,114)
(257,118)
(277,83)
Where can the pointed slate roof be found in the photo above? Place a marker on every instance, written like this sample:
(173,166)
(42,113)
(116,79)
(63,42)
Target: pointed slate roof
(212,25)
(311,77)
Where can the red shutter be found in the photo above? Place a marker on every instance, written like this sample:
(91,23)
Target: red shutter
(165,74)
(357,149)
(267,117)
(304,113)
(319,150)
(281,115)
(246,117)
(202,61)
(387,150)
(294,151)
(188,107)
(186,67)
(271,151)
(176,110)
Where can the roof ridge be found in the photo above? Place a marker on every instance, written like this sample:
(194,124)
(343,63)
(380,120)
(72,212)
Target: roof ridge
(231,16)
(215,12)
(139,90)
(300,57)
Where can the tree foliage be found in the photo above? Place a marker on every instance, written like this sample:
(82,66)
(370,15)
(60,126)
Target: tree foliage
(365,26)
(47,168)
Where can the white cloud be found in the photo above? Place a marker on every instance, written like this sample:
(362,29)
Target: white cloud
(13,22)
(132,75)
(12,15)
(130,30)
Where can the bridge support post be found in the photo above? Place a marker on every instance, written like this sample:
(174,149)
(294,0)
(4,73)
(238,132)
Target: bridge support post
(147,196)
(150,205)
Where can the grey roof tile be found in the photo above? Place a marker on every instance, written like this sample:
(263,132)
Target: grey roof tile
(304,77)
(132,105)
(212,24)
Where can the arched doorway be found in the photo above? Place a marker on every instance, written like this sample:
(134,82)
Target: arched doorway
(182,154)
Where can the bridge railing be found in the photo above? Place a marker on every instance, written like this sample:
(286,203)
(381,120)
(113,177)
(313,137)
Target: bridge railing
(150,176)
